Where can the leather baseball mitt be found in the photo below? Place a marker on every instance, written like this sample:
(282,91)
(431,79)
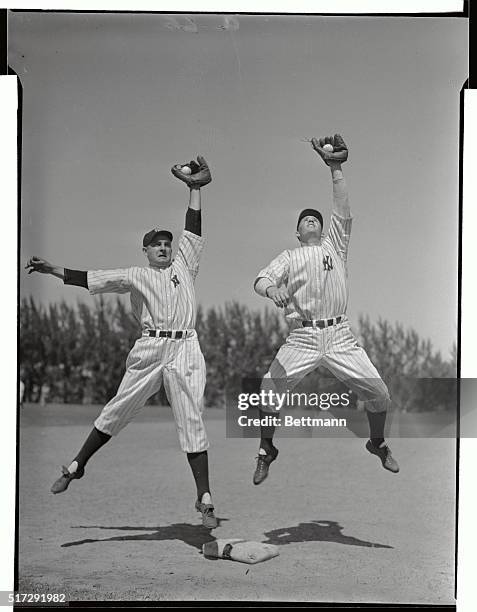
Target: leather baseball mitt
(199,176)
(340,150)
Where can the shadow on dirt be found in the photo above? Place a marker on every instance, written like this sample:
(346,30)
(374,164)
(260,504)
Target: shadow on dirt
(193,535)
(316,531)
(197,535)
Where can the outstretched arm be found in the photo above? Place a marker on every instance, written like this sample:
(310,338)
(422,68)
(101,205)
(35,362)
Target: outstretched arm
(334,152)
(69,277)
(36,264)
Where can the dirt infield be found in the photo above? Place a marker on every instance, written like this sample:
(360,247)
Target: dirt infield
(348,531)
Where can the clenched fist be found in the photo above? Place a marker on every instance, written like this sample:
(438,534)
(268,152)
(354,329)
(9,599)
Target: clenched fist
(279,296)
(36,264)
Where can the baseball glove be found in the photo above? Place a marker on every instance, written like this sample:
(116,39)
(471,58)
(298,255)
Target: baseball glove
(339,153)
(199,176)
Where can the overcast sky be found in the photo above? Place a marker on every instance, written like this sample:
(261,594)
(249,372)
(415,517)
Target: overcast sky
(111,102)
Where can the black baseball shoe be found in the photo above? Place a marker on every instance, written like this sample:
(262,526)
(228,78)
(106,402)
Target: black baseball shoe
(64,480)
(263,465)
(209,520)
(384,453)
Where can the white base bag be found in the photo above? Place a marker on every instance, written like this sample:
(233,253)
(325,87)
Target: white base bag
(240,550)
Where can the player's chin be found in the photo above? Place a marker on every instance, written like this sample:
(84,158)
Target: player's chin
(163,261)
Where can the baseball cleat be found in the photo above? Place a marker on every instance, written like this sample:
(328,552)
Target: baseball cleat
(209,520)
(384,453)
(263,465)
(64,480)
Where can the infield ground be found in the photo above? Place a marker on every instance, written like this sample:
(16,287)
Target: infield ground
(347,530)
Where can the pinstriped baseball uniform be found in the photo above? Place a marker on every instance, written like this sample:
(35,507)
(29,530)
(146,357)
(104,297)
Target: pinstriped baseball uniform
(317,280)
(161,299)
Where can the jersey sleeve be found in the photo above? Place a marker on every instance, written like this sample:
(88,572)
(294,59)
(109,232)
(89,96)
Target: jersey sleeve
(277,271)
(190,250)
(339,234)
(109,281)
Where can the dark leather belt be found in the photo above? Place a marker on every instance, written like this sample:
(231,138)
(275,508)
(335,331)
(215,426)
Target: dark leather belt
(322,323)
(156,333)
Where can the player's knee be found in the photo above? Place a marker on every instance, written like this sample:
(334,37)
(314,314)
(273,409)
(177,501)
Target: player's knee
(381,402)
(194,446)
(383,393)
(377,390)
(377,397)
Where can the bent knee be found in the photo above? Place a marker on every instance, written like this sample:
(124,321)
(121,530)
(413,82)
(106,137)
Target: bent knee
(377,397)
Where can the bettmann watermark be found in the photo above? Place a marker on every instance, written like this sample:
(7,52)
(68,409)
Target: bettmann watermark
(289,421)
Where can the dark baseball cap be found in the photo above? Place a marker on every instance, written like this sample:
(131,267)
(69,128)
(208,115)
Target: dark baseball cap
(310,212)
(154,233)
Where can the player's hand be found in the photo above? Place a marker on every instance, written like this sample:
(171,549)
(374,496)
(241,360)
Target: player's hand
(199,176)
(340,151)
(279,296)
(36,264)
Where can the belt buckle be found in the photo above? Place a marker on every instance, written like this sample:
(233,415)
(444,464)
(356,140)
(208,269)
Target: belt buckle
(167,334)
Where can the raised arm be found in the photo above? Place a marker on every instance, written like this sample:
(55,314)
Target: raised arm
(334,152)
(195,174)
(193,220)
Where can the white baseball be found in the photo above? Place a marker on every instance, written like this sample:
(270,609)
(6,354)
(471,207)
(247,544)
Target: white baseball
(328,147)
(186,170)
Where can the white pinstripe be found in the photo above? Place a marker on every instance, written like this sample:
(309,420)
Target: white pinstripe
(318,292)
(158,301)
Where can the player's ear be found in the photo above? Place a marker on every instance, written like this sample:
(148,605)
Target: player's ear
(144,250)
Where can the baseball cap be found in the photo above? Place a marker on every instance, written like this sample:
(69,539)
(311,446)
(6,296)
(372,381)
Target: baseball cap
(150,236)
(310,212)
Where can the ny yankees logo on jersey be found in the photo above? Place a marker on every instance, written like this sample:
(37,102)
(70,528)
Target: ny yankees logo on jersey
(327,263)
(175,280)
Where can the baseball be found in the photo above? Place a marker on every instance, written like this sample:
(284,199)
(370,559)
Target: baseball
(328,147)
(186,170)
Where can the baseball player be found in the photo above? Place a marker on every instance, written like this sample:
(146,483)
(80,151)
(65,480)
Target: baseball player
(163,302)
(310,283)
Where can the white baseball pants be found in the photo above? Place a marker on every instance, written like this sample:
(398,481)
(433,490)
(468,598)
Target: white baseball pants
(177,362)
(334,348)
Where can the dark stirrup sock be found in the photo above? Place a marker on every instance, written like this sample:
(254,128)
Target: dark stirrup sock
(93,443)
(199,463)
(376,422)
(266,444)
(266,434)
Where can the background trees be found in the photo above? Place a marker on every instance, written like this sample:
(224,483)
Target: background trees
(76,354)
